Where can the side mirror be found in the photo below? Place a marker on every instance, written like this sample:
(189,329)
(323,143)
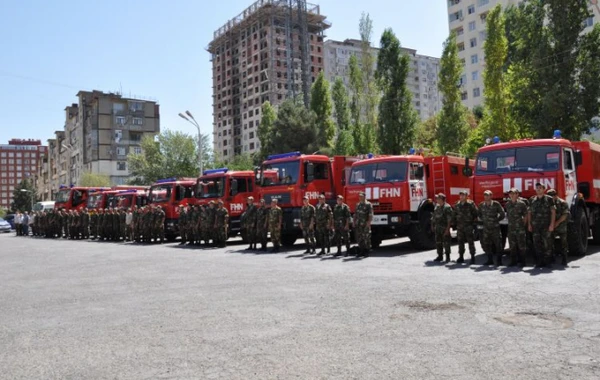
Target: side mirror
(234,187)
(578,158)
(310,172)
(419,173)
(467,171)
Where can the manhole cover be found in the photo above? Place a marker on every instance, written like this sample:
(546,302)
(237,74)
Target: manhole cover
(427,306)
(538,320)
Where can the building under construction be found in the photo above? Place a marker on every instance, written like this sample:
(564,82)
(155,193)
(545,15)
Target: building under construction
(271,51)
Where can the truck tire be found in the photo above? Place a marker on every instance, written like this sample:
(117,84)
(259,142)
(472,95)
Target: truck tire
(288,240)
(578,234)
(420,234)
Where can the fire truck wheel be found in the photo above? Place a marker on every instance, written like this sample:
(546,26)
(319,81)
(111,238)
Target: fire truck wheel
(288,240)
(578,234)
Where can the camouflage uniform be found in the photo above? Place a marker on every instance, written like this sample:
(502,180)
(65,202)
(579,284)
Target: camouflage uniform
(562,208)
(116,226)
(440,220)
(159,224)
(362,230)
(465,217)
(540,218)
(85,224)
(262,215)
(248,221)
(211,223)
(275,215)
(93,224)
(182,224)
(324,219)
(221,224)
(193,224)
(66,224)
(204,227)
(122,225)
(307,219)
(135,214)
(147,225)
(341,218)
(491,239)
(516,212)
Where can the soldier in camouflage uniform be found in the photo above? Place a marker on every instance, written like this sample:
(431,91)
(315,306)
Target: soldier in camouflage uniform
(135,217)
(248,221)
(204,225)
(221,224)
(146,225)
(70,221)
(363,216)
(93,224)
(441,220)
(560,226)
(307,225)
(542,214)
(324,220)
(122,224)
(341,225)
(193,224)
(182,224)
(465,218)
(262,219)
(516,213)
(85,224)
(211,222)
(275,219)
(116,225)
(490,214)
(159,224)
(66,223)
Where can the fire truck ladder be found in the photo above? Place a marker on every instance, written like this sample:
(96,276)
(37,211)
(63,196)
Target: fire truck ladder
(439,177)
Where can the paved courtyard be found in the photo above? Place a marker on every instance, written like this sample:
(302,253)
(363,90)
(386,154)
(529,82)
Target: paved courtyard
(90,310)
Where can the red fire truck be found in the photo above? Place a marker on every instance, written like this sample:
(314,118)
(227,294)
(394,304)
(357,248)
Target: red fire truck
(402,190)
(169,193)
(288,177)
(572,168)
(75,197)
(127,198)
(233,187)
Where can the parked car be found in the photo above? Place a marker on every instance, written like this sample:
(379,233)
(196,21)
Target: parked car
(5,226)
(42,206)
(10,218)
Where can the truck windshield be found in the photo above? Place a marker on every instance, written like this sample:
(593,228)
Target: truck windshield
(281,173)
(526,159)
(210,188)
(378,172)
(123,200)
(94,201)
(63,195)
(161,193)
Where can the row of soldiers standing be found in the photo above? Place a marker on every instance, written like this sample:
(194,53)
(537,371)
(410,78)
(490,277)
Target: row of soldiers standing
(204,223)
(545,216)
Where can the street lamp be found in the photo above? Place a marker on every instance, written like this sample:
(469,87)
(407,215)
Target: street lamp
(190,119)
(28,191)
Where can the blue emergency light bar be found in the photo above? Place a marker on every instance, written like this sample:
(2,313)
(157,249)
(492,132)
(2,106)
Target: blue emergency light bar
(283,155)
(127,191)
(216,171)
(412,151)
(165,180)
(557,134)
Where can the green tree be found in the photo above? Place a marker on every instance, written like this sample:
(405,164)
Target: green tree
(397,118)
(265,128)
(3,212)
(452,127)
(89,179)
(293,130)
(495,48)
(321,105)
(173,154)
(343,141)
(239,162)
(24,196)
(426,135)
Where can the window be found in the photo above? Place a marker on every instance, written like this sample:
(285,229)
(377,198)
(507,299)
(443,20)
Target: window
(136,106)
(473,42)
(118,107)
(3,154)
(121,151)
(19,162)
(120,120)
(3,161)
(524,160)
(589,22)
(137,150)
(475,75)
(33,168)
(463,80)
(481,3)
(137,121)
(118,135)
(379,172)
(476,92)
(472,26)
(121,165)
(461,46)
(135,137)
(474,58)
(568,159)
(471,9)
(456,16)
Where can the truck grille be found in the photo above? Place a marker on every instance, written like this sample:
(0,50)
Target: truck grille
(383,207)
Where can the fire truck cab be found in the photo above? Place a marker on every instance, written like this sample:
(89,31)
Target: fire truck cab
(288,177)
(571,168)
(402,191)
(119,196)
(169,193)
(75,197)
(233,187)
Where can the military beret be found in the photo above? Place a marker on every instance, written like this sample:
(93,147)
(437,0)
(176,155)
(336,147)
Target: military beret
(441,196)
(514,190)
(487,192)
(362,194)
(340,197)
(539,184)
(463,192)
(304,197)
(322,196)
(551,192)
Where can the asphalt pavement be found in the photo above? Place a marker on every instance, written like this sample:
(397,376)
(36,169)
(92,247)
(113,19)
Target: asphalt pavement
(99,310)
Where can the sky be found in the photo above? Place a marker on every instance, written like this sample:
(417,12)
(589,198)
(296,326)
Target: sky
(154,50)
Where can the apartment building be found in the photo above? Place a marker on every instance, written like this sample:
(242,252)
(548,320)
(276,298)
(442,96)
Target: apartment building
(271,51)
(100,130)
(468,19)
(422,80)
(19,160)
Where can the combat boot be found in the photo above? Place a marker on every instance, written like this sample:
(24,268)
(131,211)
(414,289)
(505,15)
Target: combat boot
(498,259)
(472,259)
(321,253)
(513,261)
(490,260)
(439,258)
(461,259)
(447,257)
(308,250)
(249,248)
(565,260)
